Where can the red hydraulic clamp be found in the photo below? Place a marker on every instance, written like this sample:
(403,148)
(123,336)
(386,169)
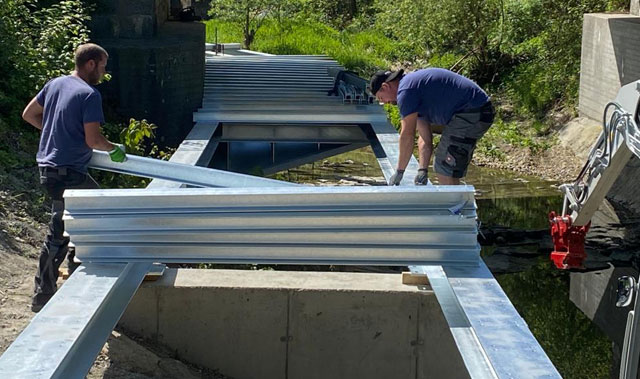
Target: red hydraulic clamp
(568,242)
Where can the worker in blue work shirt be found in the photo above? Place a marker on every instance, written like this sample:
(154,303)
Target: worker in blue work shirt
(435,97)
(68,110)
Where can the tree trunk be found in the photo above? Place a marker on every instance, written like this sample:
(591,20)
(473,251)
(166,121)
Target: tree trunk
(247,29)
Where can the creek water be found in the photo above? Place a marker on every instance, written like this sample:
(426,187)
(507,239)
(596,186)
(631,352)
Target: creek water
(509,202)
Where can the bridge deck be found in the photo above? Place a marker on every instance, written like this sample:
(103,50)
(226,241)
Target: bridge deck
(493,339)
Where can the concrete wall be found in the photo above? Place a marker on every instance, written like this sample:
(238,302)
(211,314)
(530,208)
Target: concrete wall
(275,324)
(157,65)
(610,59)
(635,7)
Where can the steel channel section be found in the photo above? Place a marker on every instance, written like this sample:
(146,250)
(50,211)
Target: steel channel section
(294,225)
(302,133)
(492,337)
(473,355)
(282,118)
(196,150)
(64,338)
(504,335)
(181,173)
(276,167)
(490,334)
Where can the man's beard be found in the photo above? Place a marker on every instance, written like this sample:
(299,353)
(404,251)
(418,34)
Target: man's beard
(94,76)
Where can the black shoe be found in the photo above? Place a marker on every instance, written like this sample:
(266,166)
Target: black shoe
(39,300)
(72,266)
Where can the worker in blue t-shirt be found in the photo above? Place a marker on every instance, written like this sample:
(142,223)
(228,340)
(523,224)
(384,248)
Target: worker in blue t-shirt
(430,97)
(68,110)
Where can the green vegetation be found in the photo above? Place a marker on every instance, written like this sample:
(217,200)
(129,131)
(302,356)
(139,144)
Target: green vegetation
(362,52)
(36,44)
(526,54)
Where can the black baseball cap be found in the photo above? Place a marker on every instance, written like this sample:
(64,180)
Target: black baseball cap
(383,76)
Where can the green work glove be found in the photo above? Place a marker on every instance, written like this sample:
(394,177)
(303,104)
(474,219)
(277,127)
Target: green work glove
(422,179)
(118,154)
(396,178)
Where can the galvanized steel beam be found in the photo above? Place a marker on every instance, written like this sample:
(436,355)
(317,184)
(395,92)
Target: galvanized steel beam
(501,331)
(342,225)
(293,133)
(284,117)
(473,354)
(64,338)
(181,173)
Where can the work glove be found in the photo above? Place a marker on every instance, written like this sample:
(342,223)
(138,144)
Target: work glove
(396,178)
(421,178)
(118,153)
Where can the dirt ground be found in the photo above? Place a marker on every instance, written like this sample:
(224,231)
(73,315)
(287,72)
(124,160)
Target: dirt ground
(22,227)
(555,163)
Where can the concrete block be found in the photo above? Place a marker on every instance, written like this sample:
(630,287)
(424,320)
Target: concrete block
(142,7)
(238,330)
(437,351)
(276,324)
(141,315)
(159,79)
(355,334)
(635,7)
(610,59)
(137,26)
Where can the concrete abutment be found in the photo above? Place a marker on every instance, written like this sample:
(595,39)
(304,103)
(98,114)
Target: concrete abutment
(275,324)
(157,65)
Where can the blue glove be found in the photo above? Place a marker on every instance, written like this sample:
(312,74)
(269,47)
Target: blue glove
(396,178)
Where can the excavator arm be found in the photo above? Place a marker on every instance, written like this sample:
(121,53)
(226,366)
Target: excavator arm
(618,142)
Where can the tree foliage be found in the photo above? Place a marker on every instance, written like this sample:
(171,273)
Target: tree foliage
(249,13)
(37,43)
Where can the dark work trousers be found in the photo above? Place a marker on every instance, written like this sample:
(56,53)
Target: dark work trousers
(56,245)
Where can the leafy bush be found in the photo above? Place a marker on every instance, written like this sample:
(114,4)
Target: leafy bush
(138,139)
(36,44)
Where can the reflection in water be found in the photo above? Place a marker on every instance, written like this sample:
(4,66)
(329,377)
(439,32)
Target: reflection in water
(540,293)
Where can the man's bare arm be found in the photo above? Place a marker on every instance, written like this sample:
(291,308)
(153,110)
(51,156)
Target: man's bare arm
(407,138)
(94,138)
(33,113)
(425,143)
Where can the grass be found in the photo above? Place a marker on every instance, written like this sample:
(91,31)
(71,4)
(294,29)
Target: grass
(364,52)
(361,51)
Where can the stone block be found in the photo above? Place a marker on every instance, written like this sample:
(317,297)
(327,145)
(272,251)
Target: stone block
(159,78)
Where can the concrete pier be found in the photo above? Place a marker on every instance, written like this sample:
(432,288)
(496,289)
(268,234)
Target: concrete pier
(275,324)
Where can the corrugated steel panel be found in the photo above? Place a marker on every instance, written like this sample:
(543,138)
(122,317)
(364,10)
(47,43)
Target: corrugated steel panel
(342,225)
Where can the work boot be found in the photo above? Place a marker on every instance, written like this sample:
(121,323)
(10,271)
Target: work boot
(72,263)
(39,300)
